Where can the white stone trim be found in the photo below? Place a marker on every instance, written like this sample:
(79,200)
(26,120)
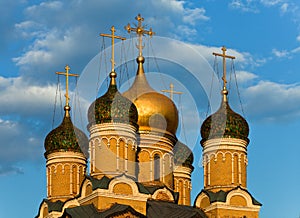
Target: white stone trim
(164,190)
(136,195)
(183,172)
(116,130)
(226,205)
(213,145)
(66,156)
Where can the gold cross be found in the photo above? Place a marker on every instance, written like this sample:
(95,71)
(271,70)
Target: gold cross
(113,37)
(67,74)
(171,91)
(224,64)
(140,31)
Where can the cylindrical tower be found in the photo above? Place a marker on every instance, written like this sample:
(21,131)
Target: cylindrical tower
(112,127)
(183,168)
(224,141)
(157,121)
(66,150)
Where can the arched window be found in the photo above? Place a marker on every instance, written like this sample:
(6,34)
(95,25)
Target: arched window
(156,167)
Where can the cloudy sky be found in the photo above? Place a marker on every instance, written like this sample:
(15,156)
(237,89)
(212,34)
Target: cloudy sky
(39,38)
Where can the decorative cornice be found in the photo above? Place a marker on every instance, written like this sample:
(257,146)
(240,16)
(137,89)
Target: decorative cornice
(213,145)
(112,128)
(66,157)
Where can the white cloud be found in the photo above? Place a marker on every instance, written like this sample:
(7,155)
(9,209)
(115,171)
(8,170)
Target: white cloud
(26,117)
(54,5)
(17,145)
(244,6)
(296,50)
(173,4)
(244,76)
(191,16)
(272,101)
(19,97)
(54,45)
(280,54)
(284,8)
(271,2)
(6,170)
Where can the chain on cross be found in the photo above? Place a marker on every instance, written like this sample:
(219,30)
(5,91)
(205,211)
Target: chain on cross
(224,64)
(67,74)
(113,37)
(140,31)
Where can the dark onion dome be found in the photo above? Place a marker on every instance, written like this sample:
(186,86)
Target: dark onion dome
(155,110)
(112,107)
(225,123)
(66,137)
(183,156)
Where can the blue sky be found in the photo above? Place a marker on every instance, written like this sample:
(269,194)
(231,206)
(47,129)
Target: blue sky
(39,37)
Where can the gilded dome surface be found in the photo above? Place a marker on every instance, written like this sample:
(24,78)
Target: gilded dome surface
(183,155)
(66,137)
(155,110)
(112,107)
(225,123)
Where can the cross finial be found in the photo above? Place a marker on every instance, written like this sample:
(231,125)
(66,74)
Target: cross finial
(113,37)
(224,68)
(171,91)
(67,74)
(140,31)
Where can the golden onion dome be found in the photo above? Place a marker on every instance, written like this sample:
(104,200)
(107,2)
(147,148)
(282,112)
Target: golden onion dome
(66,137)
(155,110)
(224,123)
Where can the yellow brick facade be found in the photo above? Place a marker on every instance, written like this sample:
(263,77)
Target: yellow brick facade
(155,159)
(224,170)
(65,174)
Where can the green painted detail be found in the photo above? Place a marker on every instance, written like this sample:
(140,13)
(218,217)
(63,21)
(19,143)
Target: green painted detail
(99,183)
(183,155)
(225,123)
(112,107)
(54,206)
(66,137)
(221,195)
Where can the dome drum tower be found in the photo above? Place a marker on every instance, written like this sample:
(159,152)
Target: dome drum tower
(224,141)
(66,156)
(157,121)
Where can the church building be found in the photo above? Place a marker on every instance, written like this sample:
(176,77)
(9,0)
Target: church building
(137,166)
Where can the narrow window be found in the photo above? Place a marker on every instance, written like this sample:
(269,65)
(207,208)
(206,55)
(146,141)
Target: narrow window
(156,167)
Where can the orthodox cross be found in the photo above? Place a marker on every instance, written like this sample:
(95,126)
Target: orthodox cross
(113,37)
(140,31)
(171,91)
(67,74)
(224,64)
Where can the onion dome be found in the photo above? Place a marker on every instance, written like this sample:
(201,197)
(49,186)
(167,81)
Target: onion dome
(112,107)
(225,123)
(183,156)
(155,110)
(66,137)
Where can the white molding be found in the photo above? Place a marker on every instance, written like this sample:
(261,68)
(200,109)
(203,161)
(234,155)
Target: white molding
(212,145)
(221,205)
(110,129)
(183,172)
(66,157)
(226,205)
(136,195)
(164,190)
